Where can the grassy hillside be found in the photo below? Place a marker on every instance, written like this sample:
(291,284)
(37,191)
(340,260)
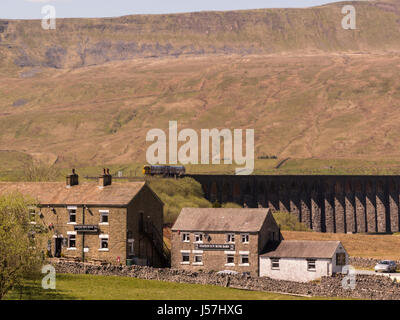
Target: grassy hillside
(83,42)
(329,107)
(87,93)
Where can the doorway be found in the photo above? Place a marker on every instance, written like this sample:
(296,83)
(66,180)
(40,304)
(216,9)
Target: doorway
(58,247)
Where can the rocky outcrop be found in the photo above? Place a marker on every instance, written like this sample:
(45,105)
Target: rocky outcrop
(84,42)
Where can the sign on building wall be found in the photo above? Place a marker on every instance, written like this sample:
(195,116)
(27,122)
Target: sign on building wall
(230,247)
(86,228)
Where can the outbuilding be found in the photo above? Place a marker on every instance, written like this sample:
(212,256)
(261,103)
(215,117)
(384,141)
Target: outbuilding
(302,261)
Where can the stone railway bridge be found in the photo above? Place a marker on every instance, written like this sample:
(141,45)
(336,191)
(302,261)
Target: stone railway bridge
(339,204)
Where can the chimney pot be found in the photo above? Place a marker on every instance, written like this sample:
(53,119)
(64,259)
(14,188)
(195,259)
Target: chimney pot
(72,179)
(105,179)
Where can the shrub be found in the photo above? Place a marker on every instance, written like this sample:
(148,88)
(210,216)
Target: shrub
(177,194)
(36,172)
(231,205)
(289,222)
(20,255)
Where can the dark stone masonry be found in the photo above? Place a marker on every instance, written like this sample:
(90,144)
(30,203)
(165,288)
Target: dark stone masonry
(367,287)
(339,204)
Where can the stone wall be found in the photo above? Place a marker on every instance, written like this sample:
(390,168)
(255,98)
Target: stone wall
(365,262)
(367,287)
(338,204)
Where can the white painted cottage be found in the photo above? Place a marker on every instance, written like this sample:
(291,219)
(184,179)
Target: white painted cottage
(303,261)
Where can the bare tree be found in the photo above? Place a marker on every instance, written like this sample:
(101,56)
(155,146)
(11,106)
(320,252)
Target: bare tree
(36,172)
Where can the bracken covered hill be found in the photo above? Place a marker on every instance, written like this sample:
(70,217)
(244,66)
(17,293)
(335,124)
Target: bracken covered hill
(87,92)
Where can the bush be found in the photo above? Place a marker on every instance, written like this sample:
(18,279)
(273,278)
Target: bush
(231,205)
(289,222)
(177,194)
(20,241)
(38,172)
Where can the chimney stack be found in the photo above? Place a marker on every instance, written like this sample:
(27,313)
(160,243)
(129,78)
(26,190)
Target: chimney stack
(105,179)
(72,179)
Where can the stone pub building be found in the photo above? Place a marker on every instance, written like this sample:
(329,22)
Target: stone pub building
(105,222)
(218,239)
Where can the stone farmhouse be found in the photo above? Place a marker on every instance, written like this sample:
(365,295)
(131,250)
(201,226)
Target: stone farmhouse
(107,222)
(303,261)
(218,239)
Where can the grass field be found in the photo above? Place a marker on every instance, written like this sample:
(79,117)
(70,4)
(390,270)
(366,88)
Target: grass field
(89,287)
(357,245)
(12,166)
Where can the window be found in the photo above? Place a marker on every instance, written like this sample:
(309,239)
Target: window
(185,257)
(32,215)
(230,237)
(131,246)
(72,241)
(244,259)
(103,242)
(230,259)
(198,259)
(72,215)
(275,264)
(340,259)
(198,237)
(245,237)
(186,237)
(32,237)
(104,216)
(311,264)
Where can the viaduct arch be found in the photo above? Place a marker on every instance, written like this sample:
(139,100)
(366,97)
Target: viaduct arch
(338,204)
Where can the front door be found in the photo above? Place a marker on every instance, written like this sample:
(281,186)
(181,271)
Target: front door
(58,246)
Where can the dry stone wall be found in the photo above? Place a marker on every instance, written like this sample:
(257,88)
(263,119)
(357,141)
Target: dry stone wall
(367,287)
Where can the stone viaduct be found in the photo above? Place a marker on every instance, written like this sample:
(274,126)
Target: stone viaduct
(339,204)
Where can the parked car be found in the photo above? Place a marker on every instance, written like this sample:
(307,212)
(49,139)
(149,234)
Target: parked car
(386,266)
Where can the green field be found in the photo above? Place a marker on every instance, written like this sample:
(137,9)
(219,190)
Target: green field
(13,164)
(89,287)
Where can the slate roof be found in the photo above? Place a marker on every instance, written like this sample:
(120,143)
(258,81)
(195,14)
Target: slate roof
(57,193)
(303,249)
(221,219)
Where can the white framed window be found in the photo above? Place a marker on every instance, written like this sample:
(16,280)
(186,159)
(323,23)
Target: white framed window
(185,257)
(32,215)
(275,264)
(198,237)
(198,260)
(230,237)
(244,260)
(186,237)
(71,241)
(230,260)
(244,237)
(104,217)
(72,215)
(311,264)
(104,242)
